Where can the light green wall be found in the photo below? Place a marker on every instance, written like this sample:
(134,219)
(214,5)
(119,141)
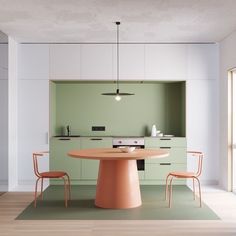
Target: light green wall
(81,105)
(175,109)
(52,108)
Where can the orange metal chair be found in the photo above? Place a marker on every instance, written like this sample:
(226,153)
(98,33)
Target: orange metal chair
(50,175)
(187,175)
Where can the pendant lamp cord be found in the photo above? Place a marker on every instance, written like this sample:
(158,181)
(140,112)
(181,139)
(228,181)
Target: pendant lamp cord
(118,56)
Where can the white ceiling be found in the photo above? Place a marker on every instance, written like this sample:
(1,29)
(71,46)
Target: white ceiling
(142,20)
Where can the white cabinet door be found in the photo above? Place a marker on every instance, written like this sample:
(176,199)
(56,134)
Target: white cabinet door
(3,61)
(131,61)
(96,61)
(33,61)
(65,62)
(165,62)
(203,61)
(33,124)
(202,119)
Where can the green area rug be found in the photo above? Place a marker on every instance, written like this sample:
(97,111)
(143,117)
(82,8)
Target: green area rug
(82,207)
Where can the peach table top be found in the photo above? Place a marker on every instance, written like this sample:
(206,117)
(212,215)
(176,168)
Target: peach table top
(117,154)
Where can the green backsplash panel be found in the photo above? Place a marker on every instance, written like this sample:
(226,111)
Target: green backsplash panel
(52,107)
(81,105)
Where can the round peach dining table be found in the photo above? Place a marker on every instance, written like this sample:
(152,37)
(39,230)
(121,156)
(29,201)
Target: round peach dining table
(118,180)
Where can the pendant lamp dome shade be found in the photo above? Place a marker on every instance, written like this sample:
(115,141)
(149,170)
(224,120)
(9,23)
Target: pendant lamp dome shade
(117,94)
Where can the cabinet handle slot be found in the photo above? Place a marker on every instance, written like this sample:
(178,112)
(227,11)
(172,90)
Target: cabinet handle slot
(165,147)
(64,139)
(165,164)
(165,138)
(93,139)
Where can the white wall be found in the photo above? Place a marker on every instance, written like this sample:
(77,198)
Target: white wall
(12,115)
(227,61)
(4,112)
(195,63)
(4,115)
(4,133)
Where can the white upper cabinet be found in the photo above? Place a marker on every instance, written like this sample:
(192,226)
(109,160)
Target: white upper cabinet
(96,62)
(33,61)
(165,62)
(99,61)
(132,65)
(203,61)
(65,62)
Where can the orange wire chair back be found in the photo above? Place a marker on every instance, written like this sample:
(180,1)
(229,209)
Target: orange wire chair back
(35,162)
(198,155)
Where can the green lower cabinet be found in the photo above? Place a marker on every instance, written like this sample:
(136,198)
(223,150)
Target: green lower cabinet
(165,142)
(157,169)
(141,174)
(84,171)
(89,168)
(176,155)
(59,160)
(160,171)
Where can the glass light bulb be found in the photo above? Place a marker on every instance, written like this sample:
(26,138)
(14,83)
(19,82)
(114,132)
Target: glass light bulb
(118,97)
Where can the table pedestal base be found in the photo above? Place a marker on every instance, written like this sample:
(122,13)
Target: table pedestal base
(118,184)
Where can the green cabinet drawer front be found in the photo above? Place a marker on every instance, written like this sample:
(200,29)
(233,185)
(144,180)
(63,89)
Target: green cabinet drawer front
(59,160)
(89,168)
(96,142)
(165,142)
(176,155)
(159,172)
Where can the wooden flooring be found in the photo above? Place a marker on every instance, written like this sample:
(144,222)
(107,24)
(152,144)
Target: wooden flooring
(223,203)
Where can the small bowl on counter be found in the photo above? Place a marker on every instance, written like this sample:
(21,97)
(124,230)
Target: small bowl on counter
(127,149)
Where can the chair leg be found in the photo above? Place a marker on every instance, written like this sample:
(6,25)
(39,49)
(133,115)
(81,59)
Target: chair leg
(194,195)
(199,189)
(35,192)
(65,191)
(69,186)
(170,192)
(41,189)
(166,192)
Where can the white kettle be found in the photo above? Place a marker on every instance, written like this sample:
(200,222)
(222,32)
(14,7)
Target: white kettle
(154,131)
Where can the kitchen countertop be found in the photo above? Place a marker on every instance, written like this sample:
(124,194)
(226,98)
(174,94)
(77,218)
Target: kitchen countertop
(113,136)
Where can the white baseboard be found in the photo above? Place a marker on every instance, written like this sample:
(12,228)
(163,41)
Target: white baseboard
(3,185)
(28,186)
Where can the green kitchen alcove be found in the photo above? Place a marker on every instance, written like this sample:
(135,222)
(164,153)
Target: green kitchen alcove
(81,105)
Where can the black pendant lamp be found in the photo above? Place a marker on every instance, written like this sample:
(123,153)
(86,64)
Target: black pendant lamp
(117,94)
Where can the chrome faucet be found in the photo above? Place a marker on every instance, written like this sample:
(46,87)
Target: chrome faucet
(68,130)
